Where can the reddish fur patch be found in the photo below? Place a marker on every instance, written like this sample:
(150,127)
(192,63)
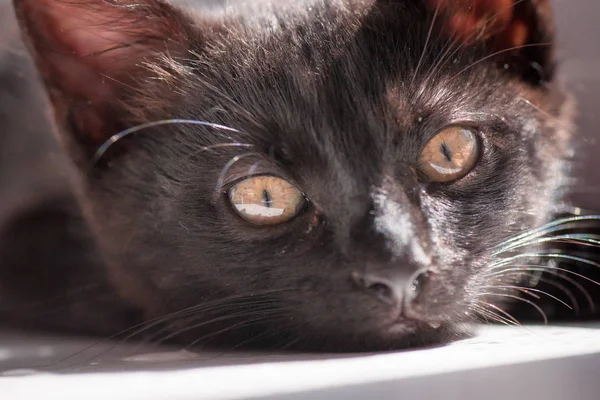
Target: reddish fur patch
(89,52)
(501,22)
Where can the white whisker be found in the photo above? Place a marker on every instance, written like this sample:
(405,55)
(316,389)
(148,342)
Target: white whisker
(118,136)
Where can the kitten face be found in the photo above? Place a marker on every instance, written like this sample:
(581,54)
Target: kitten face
(351,117)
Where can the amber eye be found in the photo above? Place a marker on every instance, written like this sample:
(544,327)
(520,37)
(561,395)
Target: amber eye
(266,200)
(449,155)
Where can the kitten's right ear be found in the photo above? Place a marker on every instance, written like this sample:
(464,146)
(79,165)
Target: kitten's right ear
(519,33)
(96,56)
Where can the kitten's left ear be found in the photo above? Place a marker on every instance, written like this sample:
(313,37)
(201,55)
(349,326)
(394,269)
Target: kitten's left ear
(518,33)
(97,56)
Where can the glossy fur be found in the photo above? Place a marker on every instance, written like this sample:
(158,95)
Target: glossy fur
(337,96)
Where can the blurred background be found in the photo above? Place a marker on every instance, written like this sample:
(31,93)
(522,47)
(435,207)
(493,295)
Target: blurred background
(579,53)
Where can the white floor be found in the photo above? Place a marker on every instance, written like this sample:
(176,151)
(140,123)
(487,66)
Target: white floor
(59,369)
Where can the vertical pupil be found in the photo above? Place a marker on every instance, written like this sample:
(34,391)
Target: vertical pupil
(446,151)
(267,199)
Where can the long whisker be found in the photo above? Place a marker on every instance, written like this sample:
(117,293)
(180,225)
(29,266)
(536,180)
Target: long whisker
(118,136)
(489,314)
(575,304)
(222,308)
(554,118)
(431,26)
(570,294)
(556,272)
(514,288)
(498,53)
(538,308)
(242,324)
(246,313)
(558,256)
(530,291)
(501,311)
(542,269)
(578,238)
(212,306)
(559,286)
(508,321)
(550,227)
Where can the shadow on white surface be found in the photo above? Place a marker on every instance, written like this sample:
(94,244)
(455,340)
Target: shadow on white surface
(32,366)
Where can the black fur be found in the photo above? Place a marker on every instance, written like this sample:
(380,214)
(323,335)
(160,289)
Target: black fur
(338,97)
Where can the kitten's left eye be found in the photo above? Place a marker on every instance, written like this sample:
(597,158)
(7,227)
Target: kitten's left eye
(449,155)
(266,200)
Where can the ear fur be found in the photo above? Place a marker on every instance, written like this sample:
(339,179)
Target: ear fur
(92,56)
(518,33)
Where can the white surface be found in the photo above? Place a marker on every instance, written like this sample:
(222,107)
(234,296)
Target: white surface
(206,376)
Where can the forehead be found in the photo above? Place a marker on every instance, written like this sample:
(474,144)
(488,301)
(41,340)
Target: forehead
(357,89)
(316,63)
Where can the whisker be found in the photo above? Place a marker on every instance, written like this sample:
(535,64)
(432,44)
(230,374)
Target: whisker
(575,304)
(575,284)
(431,26)
(557,274)
(510,320)
(558,256)
(531,292)
(579,239)
(204,313)
(538,308)
(207,307)
(242,324)
(118,136)
(213,306)
(246,313)
(561,287)
(501,311)
(549,228)
(498,53)
(490,314)
(541,110)
(542,269)
(517,288)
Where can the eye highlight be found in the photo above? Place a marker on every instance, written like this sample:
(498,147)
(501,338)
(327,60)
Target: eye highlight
(449,155)
(266,200)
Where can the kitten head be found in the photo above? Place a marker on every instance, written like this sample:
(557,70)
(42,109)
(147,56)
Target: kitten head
(331,175)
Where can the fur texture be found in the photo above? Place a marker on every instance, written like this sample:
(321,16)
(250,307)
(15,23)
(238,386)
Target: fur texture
(337,96)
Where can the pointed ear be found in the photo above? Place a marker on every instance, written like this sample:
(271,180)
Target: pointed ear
(93,56)
(518,33)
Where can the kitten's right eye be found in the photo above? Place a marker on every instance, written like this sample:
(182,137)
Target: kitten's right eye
(266,200)
(449,155)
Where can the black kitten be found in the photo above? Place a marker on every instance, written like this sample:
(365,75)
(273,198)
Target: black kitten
(336,174)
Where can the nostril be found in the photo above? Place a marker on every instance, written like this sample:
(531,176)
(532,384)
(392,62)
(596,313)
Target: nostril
(419,280)
(417,285)
(383,292)
(393,288)
(379,287)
